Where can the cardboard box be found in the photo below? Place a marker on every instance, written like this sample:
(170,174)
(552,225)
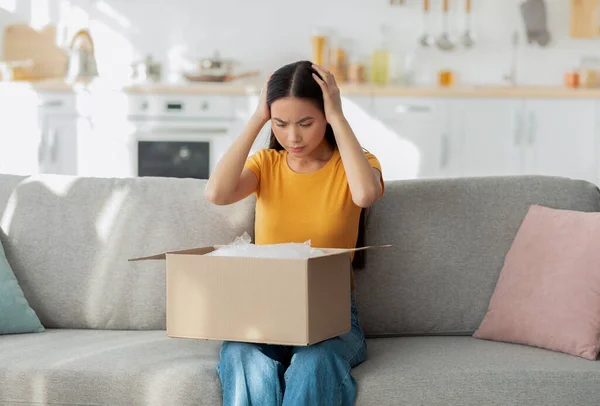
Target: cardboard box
(262,300)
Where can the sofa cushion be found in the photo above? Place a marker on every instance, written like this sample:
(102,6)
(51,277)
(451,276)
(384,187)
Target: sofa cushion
(444,371)
(7,184)
(548,291)
(101,367)
(450,238)
(16,316)
(68,240)
(148,368)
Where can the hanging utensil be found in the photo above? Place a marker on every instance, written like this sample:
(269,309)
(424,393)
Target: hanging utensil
(534,14)
(468,39)
(426,40)
(443,42)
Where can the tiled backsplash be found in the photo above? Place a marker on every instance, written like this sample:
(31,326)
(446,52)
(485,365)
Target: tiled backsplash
(264,34)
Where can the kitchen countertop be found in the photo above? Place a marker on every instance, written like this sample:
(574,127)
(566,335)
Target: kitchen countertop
(253,87)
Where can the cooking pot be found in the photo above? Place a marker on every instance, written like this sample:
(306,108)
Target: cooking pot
(216,69)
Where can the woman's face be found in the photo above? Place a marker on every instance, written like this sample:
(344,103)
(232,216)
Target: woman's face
(298,124)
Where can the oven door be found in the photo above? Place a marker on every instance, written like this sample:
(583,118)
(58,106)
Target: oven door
(178,148)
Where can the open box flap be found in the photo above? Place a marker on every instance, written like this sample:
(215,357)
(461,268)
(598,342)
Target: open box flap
(333,251)
(206,250)
(193,251)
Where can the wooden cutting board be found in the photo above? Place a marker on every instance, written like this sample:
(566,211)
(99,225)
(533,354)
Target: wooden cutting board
(584,18)
(21,42)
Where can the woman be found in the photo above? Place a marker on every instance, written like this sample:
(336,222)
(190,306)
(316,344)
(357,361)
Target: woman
(311,184)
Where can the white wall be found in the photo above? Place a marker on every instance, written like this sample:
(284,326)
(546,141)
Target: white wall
(267,33)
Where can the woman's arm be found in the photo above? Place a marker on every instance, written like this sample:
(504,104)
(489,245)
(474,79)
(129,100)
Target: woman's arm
(231,182)
(363,179)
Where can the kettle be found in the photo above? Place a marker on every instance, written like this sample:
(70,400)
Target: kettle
(82,62)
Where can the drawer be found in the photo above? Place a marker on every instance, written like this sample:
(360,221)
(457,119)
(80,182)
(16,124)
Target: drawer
(195,106)
(57,103)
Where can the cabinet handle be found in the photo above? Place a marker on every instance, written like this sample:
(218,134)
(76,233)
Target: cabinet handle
(52,103)
(518,128)
(167,131)
(43,149)
(532,128)
(445,152)
(411,108)
(53,146)
(47,150)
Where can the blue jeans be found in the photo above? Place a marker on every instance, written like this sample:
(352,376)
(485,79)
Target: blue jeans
(261,374)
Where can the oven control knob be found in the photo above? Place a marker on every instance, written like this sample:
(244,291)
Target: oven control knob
(184,153)
(204,106)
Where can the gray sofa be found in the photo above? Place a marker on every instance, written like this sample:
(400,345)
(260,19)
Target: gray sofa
(68,241)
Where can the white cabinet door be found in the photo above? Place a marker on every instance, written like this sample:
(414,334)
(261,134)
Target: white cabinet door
(18,145)
(243,108)
(411,137)
(490,133)
(20,131)
(57,151)
(561,138)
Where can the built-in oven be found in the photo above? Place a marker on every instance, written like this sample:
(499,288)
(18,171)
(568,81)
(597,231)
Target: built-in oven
(181,137)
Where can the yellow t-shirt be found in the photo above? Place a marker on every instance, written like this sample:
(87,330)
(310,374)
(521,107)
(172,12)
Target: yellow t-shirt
(293,207)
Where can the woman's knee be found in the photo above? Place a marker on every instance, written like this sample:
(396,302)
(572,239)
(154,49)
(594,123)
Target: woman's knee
(236,352)
(320,370)
(318,357)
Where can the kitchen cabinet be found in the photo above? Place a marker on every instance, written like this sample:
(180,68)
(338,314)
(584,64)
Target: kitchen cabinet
(57,144)
(527,137)
(20,130)
(43,144)
(412,138)
(243,108)
(57,150)
(18,149)
(490,136)
(560,138)
(420,136)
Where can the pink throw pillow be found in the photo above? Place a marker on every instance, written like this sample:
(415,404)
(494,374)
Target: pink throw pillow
(548,292)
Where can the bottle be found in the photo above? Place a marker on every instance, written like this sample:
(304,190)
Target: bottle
(380,61)
(341,58)
(319,47)
(337,64)
(589,75)
(409,68)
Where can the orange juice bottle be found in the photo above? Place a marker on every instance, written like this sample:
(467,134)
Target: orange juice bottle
(319,43)
(445,78)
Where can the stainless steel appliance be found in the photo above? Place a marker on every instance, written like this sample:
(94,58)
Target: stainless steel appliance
(181,136)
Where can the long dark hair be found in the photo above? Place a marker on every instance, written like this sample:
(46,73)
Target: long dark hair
(295,80)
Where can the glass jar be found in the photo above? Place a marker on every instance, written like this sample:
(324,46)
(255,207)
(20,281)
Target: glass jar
(589,72)
(446,78)
(319,46)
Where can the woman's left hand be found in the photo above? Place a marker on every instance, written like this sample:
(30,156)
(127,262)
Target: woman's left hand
(331,94)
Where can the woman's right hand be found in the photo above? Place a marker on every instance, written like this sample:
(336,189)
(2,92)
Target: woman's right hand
(262,109)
